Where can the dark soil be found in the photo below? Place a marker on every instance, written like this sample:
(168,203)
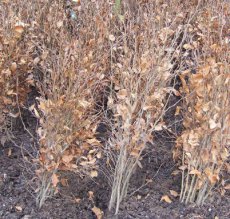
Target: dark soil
(148,185)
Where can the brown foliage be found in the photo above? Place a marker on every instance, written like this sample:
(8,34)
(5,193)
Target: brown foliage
(72,52)
(205,141)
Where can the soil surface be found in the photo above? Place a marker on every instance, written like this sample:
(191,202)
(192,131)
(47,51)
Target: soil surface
(148,185)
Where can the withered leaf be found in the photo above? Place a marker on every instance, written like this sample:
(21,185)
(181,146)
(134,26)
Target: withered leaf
(227,187)
(13,67)
(67,158)
(112,38)
(177,112)
(93,173)
(188,46)
(64,182)
(175,172)
(55,180)
(19,29)
(18,208)
(213,124)
(91,195)
(166,199)
(98,212)
(184,167)
(174,193)
(122,94)
(195,172)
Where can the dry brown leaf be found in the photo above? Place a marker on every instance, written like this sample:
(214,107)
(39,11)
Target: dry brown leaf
(9,152)
(195,172)
(55,180)
(98,212)
(188,46)
(122,110)
(92,151)
(19,29)
(200,184)
(165,33)
(193,139)
(149,180)
(166,199)
(206,106)
(112,38)
(110,102)
(227,167)
(224,154)
(122,94)
(148,107)
(77,200)
(93,141)
(13,67)
(67,158)
(3,140)
(36,61)
(205,155)
(175,172)
(18,208)
(177,112)
(222,192)
(173,90)
(44,55)
(135,152)
(91,195)
(159,126)
(36,113)
(84,103)
(99,155)
(227,187)
(59,24)
(215,154)
(93,173)
(64,182)
(174,193)
(85,163)
(213,178)
(184,167)
(212,124)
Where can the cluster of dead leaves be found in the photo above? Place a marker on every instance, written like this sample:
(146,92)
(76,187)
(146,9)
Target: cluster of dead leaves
(205,140)
(65,60)
(14,65)
(139,92)
(142,69)
(204,143)
(80,52)
(71,86)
